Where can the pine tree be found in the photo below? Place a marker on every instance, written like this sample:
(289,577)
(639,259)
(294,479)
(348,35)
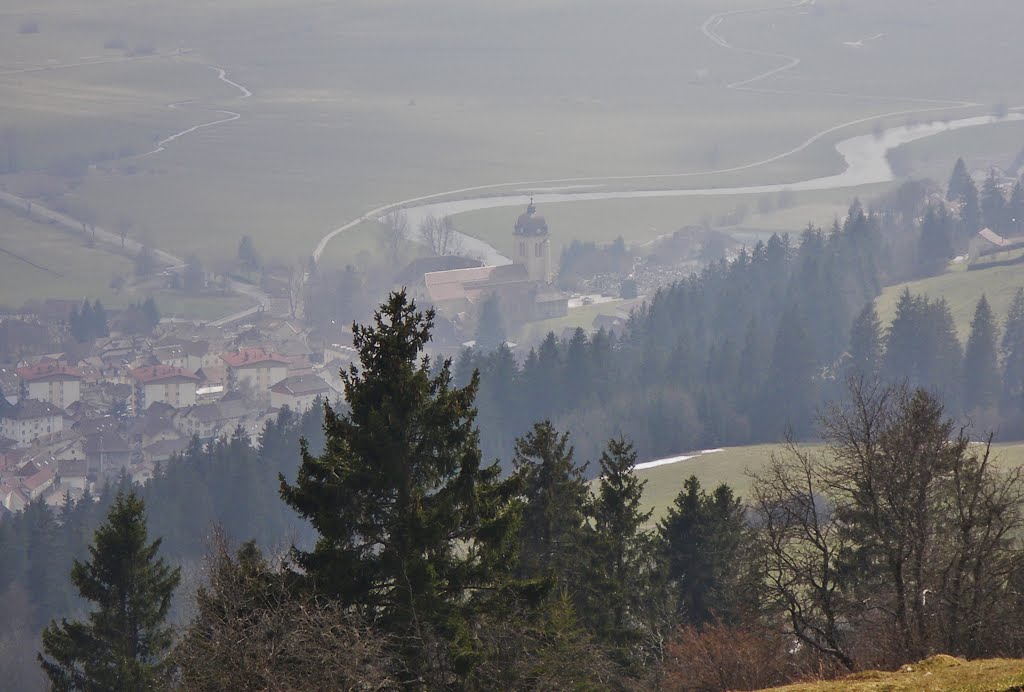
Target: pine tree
(958,181)
(981,360)
(407,517)
(970,213)
(1015,209)
(553,522)
(993,204)
(490,330)
(935,245)
(866,344)
(151,313)
(99,320)
(704,538)
(622,577)
(121,645)
(1013,355)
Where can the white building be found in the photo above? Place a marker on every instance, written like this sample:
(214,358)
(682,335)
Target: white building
(51,381)
(30,419)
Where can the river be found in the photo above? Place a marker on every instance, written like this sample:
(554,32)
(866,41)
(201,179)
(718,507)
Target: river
(864,156)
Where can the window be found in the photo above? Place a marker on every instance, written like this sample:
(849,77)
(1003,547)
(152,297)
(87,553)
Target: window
(537,250)
(522,249)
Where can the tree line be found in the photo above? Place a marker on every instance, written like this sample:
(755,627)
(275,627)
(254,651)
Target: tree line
(429,568)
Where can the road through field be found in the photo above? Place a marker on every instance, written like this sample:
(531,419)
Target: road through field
(856,173)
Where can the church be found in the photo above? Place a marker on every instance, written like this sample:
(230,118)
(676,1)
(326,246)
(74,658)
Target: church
(524,288)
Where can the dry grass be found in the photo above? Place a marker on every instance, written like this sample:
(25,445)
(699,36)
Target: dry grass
(939,672)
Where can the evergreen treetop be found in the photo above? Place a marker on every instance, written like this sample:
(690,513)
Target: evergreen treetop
(122,643)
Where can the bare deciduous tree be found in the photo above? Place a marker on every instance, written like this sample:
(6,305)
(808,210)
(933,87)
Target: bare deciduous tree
(395,236)
(440,236)
(254,631)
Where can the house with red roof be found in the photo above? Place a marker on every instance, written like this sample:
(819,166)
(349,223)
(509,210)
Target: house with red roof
(52,381)
(167,384)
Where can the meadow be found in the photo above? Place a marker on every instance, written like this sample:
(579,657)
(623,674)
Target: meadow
(733,465)
(359,104)
(962,290)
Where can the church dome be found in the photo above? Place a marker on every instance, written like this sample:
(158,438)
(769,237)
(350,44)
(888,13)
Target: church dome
(531,223)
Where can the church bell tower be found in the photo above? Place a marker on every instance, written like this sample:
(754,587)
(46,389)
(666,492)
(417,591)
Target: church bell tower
(532,246)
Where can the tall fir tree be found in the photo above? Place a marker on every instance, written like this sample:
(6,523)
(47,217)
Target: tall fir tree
(981,360)
(123,641)
(407,517)
(866,344)
(993,203)
(1015,210)
(621,589)
(1013,355)
(970,214)
(959,179)
(705,538)
(490,330)
(935,244)
(554,519)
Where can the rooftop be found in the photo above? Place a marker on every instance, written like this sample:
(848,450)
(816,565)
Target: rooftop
(156,373)
(302,385)
(252,356)
(49,370)
(27,409)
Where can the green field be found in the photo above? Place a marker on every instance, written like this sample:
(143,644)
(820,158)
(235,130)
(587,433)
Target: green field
(731,465)
(40,261)
(364,103)
(962,290)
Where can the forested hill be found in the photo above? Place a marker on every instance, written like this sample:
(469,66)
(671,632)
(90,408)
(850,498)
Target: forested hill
(748,349)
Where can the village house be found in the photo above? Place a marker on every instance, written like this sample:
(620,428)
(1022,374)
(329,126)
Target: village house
(300,391)
(106,454)
(256,367)
(29,420)
(163,383)
(51,381)
(208,421)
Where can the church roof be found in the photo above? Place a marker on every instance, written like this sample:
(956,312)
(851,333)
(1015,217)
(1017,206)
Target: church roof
(470,283)
(531,223)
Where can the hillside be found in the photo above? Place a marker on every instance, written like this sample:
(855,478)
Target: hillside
(730,466)
(961,289)
(936,673)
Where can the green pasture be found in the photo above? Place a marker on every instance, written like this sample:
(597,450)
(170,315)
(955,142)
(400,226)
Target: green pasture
(39,261)
(962,290)
(731,466)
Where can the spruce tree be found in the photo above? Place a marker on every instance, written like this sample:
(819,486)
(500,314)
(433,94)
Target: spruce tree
(993,204)
(99,320)
(407,517)
(553,526)
(622,575)
(151,313)
(490,330)
(866,344)
(122,643)
(1015,210)
(981,360)
(705,538)
(970,213)
(958,181)
(935,245)
(1013,355)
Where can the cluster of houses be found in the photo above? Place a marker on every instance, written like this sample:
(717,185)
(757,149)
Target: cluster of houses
(126,404)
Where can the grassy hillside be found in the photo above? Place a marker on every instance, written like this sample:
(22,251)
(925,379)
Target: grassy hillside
(961,289)
(936,673)
(730,466)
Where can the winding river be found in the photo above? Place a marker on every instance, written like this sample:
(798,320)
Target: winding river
(864,156)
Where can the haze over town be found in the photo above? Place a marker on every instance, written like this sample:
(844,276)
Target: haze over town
(696,238)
